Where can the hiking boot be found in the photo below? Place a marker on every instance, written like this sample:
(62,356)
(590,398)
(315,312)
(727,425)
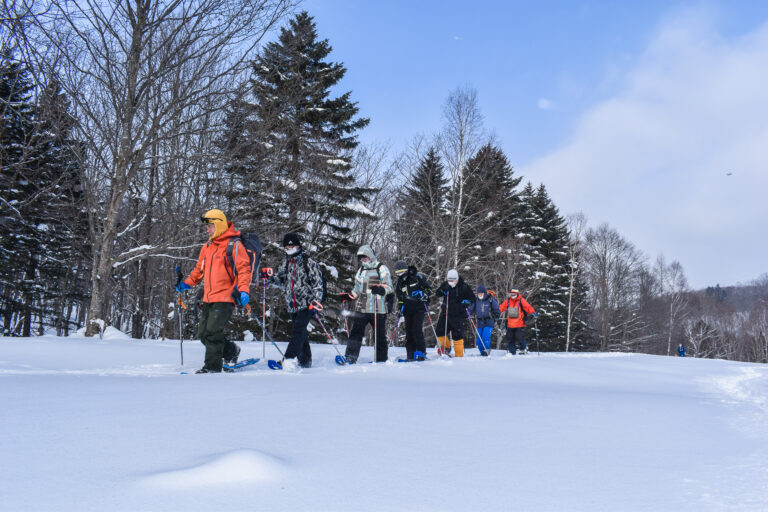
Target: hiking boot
(207,370)
(227,370)
(290,365)
(484,353)
(233,359)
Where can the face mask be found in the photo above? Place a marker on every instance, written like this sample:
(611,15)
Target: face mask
(452,284)
(481,296)
(292,251)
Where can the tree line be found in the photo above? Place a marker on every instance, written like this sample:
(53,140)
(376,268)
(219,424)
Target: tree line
(123,122)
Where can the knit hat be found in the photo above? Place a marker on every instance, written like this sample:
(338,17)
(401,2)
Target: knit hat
(514,292)
(481,288)
(453,275)
(291,239)
(401,267)
(218,219)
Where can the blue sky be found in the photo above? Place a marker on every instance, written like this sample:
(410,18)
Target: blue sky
(626,111)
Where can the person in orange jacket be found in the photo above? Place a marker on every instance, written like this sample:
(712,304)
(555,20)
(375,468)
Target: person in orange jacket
(222,288)
(514,309)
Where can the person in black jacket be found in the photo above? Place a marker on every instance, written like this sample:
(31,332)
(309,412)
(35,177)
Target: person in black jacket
(457,297)
(413,292)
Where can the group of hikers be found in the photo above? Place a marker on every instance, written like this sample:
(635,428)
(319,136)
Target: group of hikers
(227,274)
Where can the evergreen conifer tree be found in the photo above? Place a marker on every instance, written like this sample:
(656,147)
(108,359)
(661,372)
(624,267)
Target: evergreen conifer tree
(422,216)
(18,249)
(491,210)
(290,147)
(549,246)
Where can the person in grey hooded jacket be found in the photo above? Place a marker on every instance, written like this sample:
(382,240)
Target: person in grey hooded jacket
(373,282)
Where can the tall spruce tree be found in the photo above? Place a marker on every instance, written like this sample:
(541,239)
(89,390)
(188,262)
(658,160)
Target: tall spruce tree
(422,216)
(290,147)
(491,210)
(38,184)
(18,244)
(549,243)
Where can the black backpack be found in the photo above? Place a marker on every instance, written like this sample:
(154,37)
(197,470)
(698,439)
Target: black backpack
(252,245)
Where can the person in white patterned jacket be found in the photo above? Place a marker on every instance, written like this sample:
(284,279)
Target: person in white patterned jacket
(301,279)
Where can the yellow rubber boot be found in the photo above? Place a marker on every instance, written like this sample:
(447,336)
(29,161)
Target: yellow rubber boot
(458,347)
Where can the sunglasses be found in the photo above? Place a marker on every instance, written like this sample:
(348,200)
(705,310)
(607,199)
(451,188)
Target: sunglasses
(209,220)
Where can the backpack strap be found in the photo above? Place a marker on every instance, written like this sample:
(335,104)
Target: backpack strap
(232,247)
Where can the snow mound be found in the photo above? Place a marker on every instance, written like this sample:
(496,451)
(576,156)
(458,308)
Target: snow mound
(236,467)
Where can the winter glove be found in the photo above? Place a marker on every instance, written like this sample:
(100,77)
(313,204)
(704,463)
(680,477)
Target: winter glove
(242,301)
(466,303)
(266,273)
(535,315)
(417,293)
(378,290)
(346,296)
(182,286)
(445,292)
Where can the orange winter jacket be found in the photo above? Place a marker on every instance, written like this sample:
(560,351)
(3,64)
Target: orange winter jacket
(522,305)
(213,268)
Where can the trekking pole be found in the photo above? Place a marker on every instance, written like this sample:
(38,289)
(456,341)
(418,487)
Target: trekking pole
(474,326)
(437,343)
(264,318)
(450,338)
(536,328)
(179,305)
(399,318)
(375,328)
(344,314)
(340,359)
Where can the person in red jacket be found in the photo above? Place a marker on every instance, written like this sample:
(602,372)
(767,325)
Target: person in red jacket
(514,309)
(222,288)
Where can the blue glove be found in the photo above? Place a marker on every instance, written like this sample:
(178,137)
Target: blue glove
(466,302)
(417,293)
(535,315)
(243,300)
(182,286)
(445,292)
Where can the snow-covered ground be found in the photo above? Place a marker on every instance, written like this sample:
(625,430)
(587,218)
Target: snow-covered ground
(112,425)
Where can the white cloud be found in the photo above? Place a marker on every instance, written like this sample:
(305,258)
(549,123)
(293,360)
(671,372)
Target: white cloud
(652,159)
(544,104)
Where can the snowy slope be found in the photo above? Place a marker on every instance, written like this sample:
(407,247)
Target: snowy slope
(113,425)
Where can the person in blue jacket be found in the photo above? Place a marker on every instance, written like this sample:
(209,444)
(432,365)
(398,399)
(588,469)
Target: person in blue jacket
(486,310)
(680,350)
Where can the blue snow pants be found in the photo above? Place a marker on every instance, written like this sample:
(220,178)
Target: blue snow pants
(484,341)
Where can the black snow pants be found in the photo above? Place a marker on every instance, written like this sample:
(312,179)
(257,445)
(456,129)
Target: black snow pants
(414,333)
(361,320)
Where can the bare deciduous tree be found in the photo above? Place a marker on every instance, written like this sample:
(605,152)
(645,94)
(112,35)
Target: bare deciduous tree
(143,77)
